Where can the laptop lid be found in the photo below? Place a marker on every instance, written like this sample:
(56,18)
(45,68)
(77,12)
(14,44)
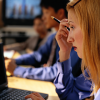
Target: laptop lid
(3,77)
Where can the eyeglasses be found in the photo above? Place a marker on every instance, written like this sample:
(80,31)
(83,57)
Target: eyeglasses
(76,2)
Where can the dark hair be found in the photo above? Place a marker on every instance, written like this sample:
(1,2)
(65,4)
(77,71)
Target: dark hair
(38,17)
(56,4)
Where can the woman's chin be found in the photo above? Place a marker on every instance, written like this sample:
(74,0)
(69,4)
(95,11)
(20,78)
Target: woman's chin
(79,55)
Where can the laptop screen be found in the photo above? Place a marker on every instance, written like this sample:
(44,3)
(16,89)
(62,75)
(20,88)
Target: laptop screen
(3,78)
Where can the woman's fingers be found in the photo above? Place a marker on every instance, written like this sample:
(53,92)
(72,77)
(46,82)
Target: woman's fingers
(65,24)
(34,96)
(63,29)
(62,36)
(63,32)
(29,99)
(64,20)
(37,94)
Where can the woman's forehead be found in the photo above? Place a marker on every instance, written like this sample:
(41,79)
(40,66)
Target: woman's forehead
(72,16)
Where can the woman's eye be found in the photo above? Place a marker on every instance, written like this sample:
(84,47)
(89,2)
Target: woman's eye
(72,27)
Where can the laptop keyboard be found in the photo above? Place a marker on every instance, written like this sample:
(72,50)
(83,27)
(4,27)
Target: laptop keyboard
(14,94)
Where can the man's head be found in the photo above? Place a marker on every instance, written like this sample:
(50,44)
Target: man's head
(56,8)
(39,25)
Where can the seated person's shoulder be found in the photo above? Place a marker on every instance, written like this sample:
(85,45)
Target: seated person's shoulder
(52,36)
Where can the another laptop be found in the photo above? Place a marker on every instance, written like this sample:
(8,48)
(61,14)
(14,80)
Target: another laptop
(11,93)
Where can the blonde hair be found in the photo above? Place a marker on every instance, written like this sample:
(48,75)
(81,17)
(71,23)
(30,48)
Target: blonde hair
(88,14)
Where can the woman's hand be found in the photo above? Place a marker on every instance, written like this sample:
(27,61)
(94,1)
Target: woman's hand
(34,96)
(61,38)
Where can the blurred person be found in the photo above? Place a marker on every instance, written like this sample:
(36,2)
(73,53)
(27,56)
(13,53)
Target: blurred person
(44,53)
(33,43)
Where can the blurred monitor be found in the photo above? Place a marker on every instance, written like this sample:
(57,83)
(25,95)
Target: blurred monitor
(20,12)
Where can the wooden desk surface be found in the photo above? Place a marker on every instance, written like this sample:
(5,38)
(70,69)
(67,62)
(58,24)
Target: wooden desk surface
(33,85)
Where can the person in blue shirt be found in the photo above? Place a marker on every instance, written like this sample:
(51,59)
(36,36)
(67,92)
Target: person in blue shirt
(41,56)
(82,88)
(67,86)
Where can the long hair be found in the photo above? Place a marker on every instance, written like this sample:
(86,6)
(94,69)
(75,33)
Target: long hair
(88,14)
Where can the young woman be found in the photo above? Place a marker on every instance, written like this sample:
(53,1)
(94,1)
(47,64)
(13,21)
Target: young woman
(84,23)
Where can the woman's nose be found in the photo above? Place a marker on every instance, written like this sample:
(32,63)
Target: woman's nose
(70,39)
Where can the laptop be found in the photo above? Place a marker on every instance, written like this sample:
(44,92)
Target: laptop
(11,93)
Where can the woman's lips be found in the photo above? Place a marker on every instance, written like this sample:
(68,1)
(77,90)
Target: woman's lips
(74,48)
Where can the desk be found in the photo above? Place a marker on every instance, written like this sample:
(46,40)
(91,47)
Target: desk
(33,85)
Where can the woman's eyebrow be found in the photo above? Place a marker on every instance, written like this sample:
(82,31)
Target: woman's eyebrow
(70,22)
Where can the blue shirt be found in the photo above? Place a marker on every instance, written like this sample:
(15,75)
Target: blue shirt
(41,57)
(97,95)
(68,87)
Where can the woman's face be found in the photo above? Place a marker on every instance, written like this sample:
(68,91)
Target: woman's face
(75,35)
